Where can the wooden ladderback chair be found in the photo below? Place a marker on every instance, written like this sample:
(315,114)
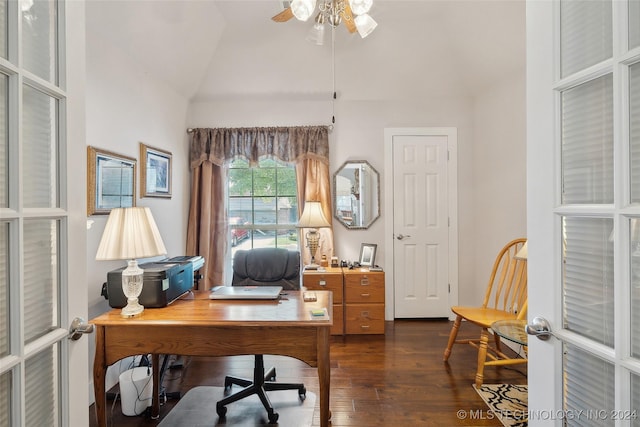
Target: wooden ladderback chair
(505,299)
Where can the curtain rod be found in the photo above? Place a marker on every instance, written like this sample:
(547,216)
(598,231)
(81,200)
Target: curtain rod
(330,127)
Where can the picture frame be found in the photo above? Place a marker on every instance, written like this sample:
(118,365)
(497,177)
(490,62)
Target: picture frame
(368,254)
(111,181)
(155,172)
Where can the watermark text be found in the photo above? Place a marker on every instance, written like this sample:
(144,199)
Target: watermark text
(532,415)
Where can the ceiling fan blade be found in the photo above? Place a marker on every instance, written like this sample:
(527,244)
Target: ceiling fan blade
(347,18)
(283,16)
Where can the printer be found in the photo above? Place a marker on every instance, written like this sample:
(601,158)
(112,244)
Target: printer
(163,281)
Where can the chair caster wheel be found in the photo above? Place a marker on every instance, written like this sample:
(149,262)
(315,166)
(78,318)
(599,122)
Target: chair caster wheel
(273,418)
(221,410)
(302,393)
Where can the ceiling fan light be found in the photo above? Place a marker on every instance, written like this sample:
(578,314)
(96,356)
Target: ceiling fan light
(360,7)
(365,24)
(303,9)
(316,34)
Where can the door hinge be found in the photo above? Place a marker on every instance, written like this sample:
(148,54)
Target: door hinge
(449,287)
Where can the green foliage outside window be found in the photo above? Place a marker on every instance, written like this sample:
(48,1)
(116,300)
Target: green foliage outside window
(262,204)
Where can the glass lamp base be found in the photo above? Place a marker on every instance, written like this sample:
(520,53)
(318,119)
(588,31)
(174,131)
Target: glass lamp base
(133,308)
(132,280)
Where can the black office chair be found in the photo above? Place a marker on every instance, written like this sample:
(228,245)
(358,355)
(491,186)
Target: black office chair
(263,267)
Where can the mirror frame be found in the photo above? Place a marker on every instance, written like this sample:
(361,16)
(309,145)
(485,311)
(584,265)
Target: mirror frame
(95,174)
(335,195)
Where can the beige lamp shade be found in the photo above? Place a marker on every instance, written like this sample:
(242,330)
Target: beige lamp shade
(130,233)
(312,216)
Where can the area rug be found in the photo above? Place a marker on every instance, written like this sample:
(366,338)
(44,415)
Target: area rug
(507,403)
(197,408)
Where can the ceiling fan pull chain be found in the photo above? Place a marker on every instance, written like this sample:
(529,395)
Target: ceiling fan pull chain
(333,74)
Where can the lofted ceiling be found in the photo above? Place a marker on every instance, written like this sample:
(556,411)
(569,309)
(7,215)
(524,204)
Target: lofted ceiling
(230,49)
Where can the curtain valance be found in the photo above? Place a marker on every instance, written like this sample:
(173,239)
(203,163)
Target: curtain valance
(288,144)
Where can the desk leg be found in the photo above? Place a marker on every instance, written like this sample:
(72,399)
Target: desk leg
(99,376)
(324,375)
(155,402)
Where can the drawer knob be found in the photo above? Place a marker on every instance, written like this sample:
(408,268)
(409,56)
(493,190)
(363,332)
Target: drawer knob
(364,326)
(365,295)
(322,283)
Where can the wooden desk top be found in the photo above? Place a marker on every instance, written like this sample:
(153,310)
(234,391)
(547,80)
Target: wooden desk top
(195,308)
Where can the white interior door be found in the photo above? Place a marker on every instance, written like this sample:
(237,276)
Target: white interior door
(423,193)
(43,214)
(583,210)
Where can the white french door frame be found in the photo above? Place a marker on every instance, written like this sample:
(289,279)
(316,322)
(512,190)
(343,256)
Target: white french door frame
(545,209)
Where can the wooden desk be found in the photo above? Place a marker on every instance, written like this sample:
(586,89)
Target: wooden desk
(198,326)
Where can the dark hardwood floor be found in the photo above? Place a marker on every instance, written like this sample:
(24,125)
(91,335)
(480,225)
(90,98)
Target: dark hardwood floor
(397,379)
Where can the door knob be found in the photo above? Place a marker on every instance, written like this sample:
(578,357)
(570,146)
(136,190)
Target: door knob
(402,236)
(540,328)
(79,327)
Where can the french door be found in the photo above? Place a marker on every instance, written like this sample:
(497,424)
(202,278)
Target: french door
(583,198)
(42,214)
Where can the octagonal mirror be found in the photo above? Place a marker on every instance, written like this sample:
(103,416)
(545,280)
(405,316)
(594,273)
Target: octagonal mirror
(356,194)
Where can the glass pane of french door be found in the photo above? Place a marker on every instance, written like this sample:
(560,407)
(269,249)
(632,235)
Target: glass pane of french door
(635,398)
(41,267)
(634,238)
(586,36)
(634,23)
(40,118)
(40,38)
(589,387)
(634,130)
(587,142)
(4,142)
(3,29)
(588,286)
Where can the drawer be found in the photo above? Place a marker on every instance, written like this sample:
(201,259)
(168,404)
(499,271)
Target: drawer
(338,320)
(364,319)
(364,288)
(324,282)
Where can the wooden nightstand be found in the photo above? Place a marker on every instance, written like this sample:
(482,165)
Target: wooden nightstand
(329,280)
(364,301)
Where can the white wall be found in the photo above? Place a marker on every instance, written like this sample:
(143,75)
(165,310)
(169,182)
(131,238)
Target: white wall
(499,170)
(125,106)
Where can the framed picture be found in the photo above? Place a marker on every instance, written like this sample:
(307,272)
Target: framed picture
(368,254)
(155,172)
(111,181)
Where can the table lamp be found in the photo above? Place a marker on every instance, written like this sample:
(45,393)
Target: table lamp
(130,233)
(312,217)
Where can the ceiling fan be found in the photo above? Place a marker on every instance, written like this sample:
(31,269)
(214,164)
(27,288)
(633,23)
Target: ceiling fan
(353,13)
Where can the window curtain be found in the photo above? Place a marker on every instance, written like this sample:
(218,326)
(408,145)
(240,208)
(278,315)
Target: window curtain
(307,147)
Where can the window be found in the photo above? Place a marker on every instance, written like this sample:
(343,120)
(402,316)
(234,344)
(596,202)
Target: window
(262,205)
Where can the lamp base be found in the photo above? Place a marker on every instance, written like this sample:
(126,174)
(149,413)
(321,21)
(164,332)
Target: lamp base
(133,308)
(132,281)
(312,266)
